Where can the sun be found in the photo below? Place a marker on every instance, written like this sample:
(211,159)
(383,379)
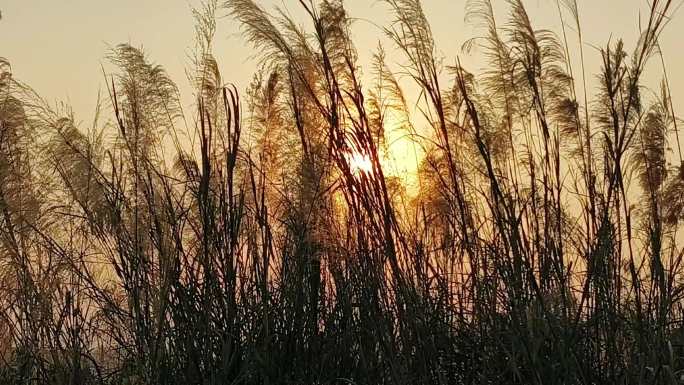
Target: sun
(360,163)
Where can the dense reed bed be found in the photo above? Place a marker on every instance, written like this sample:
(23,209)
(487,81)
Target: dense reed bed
(259,240)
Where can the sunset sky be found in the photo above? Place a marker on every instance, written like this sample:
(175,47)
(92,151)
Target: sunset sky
(58,47)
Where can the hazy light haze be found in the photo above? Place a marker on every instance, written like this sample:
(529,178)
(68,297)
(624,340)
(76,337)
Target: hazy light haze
(58,46)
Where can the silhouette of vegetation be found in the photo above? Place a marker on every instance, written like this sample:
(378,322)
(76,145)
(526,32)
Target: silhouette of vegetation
(259,239)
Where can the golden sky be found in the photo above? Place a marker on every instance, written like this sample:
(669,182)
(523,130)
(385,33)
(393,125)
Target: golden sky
(58,46)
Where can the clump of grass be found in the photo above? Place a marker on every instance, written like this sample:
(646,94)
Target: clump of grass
(243,243)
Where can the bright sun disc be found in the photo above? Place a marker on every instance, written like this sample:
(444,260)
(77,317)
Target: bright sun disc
(360,163)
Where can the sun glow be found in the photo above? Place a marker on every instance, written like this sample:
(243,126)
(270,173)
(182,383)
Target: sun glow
(402,156)
(399,156)
(360,163)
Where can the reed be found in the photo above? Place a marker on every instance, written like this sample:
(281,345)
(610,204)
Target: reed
(259,240)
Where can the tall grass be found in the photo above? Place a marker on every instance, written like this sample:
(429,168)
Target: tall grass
(242,244)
